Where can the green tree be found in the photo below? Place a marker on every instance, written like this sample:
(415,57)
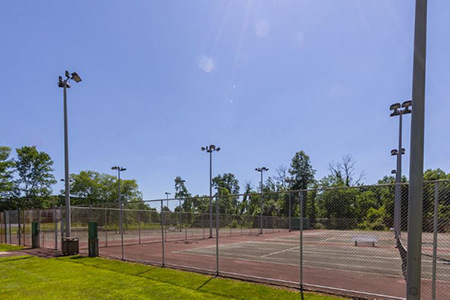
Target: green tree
(343,173)
(90,187)
(374,219)
(227,186)
(227,181)
(436,174)
(6,171)
(35,176)
(180,188)
(302,177)
(301,171)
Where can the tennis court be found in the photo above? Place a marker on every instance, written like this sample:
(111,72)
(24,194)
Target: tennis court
(260,245)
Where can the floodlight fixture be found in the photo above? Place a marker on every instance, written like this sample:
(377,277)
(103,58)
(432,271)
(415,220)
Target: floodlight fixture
(407,107)
(210,148)
(393,171)
(118,168)
(395,106)
(76,77)
(64,83)
(394,152)
(407,104)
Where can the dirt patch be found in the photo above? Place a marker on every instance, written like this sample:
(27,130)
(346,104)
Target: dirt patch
(39,252)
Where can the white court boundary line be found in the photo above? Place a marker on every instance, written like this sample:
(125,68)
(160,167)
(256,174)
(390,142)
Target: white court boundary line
(326,252)
(282,251)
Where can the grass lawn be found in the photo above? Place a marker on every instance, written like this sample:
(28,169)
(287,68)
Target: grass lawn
(5,247)
(29,277)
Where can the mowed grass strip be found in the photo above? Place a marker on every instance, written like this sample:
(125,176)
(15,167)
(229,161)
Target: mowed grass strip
(6,247)
(27,277)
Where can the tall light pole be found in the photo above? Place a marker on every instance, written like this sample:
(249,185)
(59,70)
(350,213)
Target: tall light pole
(120,169)
(167,197)
(182,181)
(64,83)
(261,170)
(210,149)
(399,110)
(415,204)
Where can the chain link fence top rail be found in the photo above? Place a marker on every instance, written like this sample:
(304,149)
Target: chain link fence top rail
(351,240)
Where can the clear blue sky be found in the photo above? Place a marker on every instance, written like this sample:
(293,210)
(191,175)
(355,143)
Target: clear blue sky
(260,79)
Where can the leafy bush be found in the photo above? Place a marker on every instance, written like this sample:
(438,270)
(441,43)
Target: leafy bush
(374,220)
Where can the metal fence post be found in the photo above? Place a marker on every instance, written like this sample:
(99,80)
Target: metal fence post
(240,225)
(121,229)
(185,228)
(139,225)
(261,213)
(62,225)
(2,221)
(162,233)
(273,224)
(1,227)
(106,227)
(9,226)
(41,232)
(181,215)
(24,227)
(55,218)
(217,236)
(435,236)
(301,242)
(290,211)
(18,223)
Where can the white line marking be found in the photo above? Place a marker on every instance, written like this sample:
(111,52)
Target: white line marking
(278,252)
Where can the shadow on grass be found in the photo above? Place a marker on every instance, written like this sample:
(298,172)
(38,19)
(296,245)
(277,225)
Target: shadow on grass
(205,283)
(14,258)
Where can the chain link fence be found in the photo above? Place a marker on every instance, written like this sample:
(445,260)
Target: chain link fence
(349,240)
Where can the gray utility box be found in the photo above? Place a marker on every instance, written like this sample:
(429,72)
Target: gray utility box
(70,245)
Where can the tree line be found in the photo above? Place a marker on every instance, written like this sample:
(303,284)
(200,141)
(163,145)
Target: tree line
(337,200)
(26,182)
